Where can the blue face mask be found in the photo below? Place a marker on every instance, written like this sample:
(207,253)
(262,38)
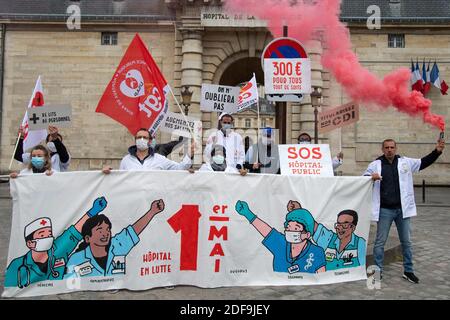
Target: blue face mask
(38,162)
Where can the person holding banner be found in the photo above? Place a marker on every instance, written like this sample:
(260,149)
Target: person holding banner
(102,254)
(40,163)
(263,156)
(292,251)
(142,156)
(337,161)
(218,162)
(232,141)
(393,199)
(343,248)
(60,157)
(47,256)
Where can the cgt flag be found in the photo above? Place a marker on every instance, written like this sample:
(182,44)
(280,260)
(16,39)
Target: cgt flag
(33,137)
(136,95)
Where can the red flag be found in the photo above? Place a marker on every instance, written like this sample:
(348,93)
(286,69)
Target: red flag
(136,95)
(444,87)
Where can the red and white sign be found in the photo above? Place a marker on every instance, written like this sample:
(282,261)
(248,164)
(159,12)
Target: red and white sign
(34,137)
(136,95)
(306,160)
(338,117)
(287,76)
(287,69)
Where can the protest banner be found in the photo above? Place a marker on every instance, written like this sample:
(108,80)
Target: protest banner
(41,118)
(219,98)
(306,160)
(159,228)
(176,124)
(338,117)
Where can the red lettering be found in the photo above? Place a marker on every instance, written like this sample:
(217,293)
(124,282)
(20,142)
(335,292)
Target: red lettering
(302,155)
(316,153)
(217,251)
(213,232)
(292,154)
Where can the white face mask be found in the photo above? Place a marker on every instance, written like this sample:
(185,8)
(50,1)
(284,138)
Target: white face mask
(304,142)
(266,141)
(219,159)
(51,146)
(43,244)
(142,144)
(293,236)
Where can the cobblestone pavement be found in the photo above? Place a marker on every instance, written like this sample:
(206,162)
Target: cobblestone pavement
(431,248)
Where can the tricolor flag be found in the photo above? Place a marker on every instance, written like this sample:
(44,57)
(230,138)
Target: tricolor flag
(416,78)
(136,94)
(248,95)
(32,138)
(436,81)
(426,78)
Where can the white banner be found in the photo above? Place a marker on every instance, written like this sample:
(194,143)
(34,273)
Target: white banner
(140,230)
(306,160)
(219,98)
(287,76)
(175,123)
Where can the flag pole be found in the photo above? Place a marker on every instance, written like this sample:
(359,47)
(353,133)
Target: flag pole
(14,152)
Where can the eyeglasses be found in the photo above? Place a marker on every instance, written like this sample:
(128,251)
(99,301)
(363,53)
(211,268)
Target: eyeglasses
(344,225)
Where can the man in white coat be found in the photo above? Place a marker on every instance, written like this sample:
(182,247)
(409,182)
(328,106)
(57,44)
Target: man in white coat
(232,142)
(393,199)
(142,156)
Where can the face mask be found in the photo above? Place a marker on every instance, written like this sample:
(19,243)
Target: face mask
(153,144)
(37,162)
(51,146)
(218,159)
(43,244)
(142,144)
(293,236)
(266,140)
(304,142)
(227,126)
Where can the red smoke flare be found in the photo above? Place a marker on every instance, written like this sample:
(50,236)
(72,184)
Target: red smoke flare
(307,17)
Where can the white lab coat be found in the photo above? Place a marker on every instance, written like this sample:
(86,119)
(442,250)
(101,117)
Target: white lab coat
(154,162)
(233,144)
(406,167)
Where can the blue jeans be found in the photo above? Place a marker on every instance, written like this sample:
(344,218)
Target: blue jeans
(403,227)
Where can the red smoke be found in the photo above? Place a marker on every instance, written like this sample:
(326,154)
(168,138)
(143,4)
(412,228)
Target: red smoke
(307,17)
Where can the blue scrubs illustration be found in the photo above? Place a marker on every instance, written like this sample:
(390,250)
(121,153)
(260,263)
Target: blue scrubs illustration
(292,251)
(102,254)
(48,256)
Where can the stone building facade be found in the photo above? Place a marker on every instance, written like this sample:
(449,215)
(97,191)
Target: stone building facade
(190,50)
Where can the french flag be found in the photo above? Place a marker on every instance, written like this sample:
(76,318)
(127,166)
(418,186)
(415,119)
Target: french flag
(426,79)
(416,77)
(436,81)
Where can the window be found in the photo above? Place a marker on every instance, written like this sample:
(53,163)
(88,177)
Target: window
(109,38)
(396,40)
(248,123)
(263,123)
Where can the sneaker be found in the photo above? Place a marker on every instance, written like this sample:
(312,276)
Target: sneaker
(410,277)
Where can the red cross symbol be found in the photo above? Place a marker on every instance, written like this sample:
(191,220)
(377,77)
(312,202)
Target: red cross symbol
(43,222)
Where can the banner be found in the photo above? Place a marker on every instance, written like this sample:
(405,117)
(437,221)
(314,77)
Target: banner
(33,137)
(140,230)
(338,117)
(248,95)
(219,98)
(136,95)
(306,160)
(287,76)
(175,123)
